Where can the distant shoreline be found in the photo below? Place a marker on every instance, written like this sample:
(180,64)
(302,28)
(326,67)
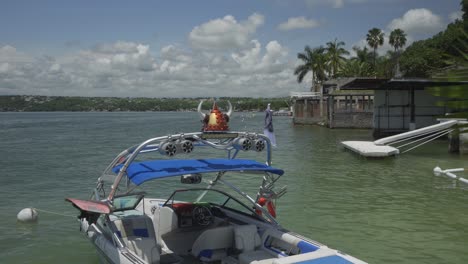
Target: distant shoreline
(31,103)
(188,111)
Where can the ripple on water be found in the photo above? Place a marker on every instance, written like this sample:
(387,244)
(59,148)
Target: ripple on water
(383,211)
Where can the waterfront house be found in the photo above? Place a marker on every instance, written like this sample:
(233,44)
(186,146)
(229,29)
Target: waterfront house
(350,108)
(333,106)
(402,104)
(307,108)
(388,106)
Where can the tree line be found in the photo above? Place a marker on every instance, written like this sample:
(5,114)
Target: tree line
(24,103)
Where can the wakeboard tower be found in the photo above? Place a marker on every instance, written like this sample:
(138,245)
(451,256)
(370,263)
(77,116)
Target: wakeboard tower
(216,223)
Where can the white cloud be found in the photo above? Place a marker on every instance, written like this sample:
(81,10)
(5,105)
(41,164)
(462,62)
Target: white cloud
(455,15)
(248,58)
(173,53)
(251,61)
(225,33)
(130,69)
(274,55)
(119,47)
(418,22)
(298,23)
(9,54)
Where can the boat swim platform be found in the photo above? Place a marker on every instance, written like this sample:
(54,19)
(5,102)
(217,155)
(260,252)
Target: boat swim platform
(370,149)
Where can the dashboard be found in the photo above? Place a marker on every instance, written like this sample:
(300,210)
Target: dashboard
(193,214)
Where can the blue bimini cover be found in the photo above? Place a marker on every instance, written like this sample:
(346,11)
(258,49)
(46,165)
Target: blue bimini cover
(139,172)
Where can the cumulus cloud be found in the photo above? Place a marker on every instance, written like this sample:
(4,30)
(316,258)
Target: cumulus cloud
(173,53)
(251,61)
(222,59)
(298,23)
(119,56)
(132,69)
(119,47)
(9,54)
(225,33)
(418,22)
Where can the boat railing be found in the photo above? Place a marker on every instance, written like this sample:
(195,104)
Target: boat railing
(128,156)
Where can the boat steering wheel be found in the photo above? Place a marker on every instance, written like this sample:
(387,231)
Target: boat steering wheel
(202,215)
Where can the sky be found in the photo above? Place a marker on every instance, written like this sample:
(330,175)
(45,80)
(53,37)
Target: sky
(241,48)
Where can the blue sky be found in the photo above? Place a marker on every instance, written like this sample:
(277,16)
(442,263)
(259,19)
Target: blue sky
(188,48)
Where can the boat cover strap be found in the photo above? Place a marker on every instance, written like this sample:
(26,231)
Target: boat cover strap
(139,172)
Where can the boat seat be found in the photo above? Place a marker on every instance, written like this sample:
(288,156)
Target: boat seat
(213,243)
(165,219)
(248,242)
(137,232)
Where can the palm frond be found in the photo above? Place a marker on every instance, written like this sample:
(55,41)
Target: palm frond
(301,71)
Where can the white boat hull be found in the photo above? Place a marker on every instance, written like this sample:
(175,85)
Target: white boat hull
(275,246)
(197,224)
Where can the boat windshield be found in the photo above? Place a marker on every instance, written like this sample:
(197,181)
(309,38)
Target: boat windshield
(212,197)
(127,202)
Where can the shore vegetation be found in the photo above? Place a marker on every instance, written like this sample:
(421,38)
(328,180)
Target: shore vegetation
(421,59)
(30,103)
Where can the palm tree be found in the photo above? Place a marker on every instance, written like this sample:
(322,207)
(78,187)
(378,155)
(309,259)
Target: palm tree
(356,68)
(386,65)
(335,53)
(363,54)
(375,38)
(397,40)
(314,61)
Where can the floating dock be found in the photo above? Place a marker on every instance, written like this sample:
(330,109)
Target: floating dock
(370,149)
(380,148)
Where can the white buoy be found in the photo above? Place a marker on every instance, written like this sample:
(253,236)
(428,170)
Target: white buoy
(437,171)
(28,215)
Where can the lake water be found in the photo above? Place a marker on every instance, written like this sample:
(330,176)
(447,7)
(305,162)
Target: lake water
(382,211)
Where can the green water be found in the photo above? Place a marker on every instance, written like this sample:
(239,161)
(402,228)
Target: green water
(382,211)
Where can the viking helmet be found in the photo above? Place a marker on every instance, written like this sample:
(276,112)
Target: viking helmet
(215,120)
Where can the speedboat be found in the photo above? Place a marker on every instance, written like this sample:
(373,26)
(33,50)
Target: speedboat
(215,221)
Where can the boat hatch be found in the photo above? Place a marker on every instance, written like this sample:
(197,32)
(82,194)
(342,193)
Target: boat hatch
(90,206)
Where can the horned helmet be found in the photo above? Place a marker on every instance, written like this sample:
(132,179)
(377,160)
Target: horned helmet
(215,120)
